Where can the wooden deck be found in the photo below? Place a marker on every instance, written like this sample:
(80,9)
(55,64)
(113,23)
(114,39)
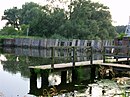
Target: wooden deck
(83,63)
(104,62)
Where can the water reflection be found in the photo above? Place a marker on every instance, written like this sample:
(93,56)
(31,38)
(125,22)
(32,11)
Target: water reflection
(58,82)
(54,79)
(75,82)
(12,85)
(2,57)
(67,82)
(82,54)
(18,59)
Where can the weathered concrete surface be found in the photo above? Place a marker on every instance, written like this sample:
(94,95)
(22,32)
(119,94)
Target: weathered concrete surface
(45,43)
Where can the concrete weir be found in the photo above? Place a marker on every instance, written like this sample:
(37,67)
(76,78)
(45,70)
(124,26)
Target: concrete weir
(46,43)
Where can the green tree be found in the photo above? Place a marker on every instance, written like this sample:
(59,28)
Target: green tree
(12,17)
(48,23)
(8,31)
(120,29)
(83,20)
(90,19)
(29,12)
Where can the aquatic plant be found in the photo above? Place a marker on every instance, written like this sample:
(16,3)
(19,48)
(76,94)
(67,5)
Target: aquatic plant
(52,92)
(106,72)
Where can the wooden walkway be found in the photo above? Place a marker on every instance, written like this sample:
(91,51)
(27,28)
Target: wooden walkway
(83,63)
(103,62)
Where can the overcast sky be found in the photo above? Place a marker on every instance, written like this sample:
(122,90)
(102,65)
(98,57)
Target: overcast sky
(120,9)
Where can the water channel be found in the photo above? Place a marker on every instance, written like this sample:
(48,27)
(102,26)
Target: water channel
(17,80)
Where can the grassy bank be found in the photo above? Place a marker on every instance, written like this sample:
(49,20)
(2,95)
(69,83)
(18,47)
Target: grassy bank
(11,36)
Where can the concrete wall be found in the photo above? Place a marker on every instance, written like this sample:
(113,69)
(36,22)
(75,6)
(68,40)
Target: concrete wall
(45,43)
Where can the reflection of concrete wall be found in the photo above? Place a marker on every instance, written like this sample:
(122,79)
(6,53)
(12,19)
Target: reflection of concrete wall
(64,54)
(35,53)
(44,43)
(26,52)
(32,52)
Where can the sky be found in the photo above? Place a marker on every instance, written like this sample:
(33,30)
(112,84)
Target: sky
(119,9)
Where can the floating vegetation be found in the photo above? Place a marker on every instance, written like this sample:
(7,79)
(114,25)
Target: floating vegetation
(106,72)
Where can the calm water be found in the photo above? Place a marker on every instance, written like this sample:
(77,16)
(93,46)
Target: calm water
(14,72)
(16,80)
(12,83)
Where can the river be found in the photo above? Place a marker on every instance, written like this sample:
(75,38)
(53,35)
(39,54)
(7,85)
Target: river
(17,80)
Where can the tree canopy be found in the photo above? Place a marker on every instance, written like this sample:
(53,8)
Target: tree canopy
(83,19)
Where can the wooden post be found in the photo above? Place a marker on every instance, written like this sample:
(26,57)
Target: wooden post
(73,59)
(44,81)
(33,81)
(91,60)
(1,42)
(74,75)
(117,52)
(52,57)
(128,52)
(63,77)
(67,57)
(92,75)
(104,48)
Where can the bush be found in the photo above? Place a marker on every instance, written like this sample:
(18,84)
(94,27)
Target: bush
(57,36)
(8,31)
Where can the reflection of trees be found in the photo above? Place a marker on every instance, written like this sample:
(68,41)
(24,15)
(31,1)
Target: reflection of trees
(25,59)
(44,61)
(13,66)
(83,73)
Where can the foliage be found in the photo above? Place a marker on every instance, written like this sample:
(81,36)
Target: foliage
(37,71)
(120,29)
(82,20)
(9,31)
(57,36)
(29,12)
(95,21)
(24,29)
(12,17)
(17,36)
(121,35)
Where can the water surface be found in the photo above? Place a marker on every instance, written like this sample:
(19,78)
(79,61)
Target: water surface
(16,79)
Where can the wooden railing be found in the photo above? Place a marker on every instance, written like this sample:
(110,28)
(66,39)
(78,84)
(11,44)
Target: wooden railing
(71,52)
(116,52)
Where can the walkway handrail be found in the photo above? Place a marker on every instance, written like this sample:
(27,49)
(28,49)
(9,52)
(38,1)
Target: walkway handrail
(73,50)
(116,52)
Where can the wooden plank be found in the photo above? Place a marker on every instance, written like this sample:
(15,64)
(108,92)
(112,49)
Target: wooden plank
(114,60)
(66,65)
(83,63)
(115,65)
